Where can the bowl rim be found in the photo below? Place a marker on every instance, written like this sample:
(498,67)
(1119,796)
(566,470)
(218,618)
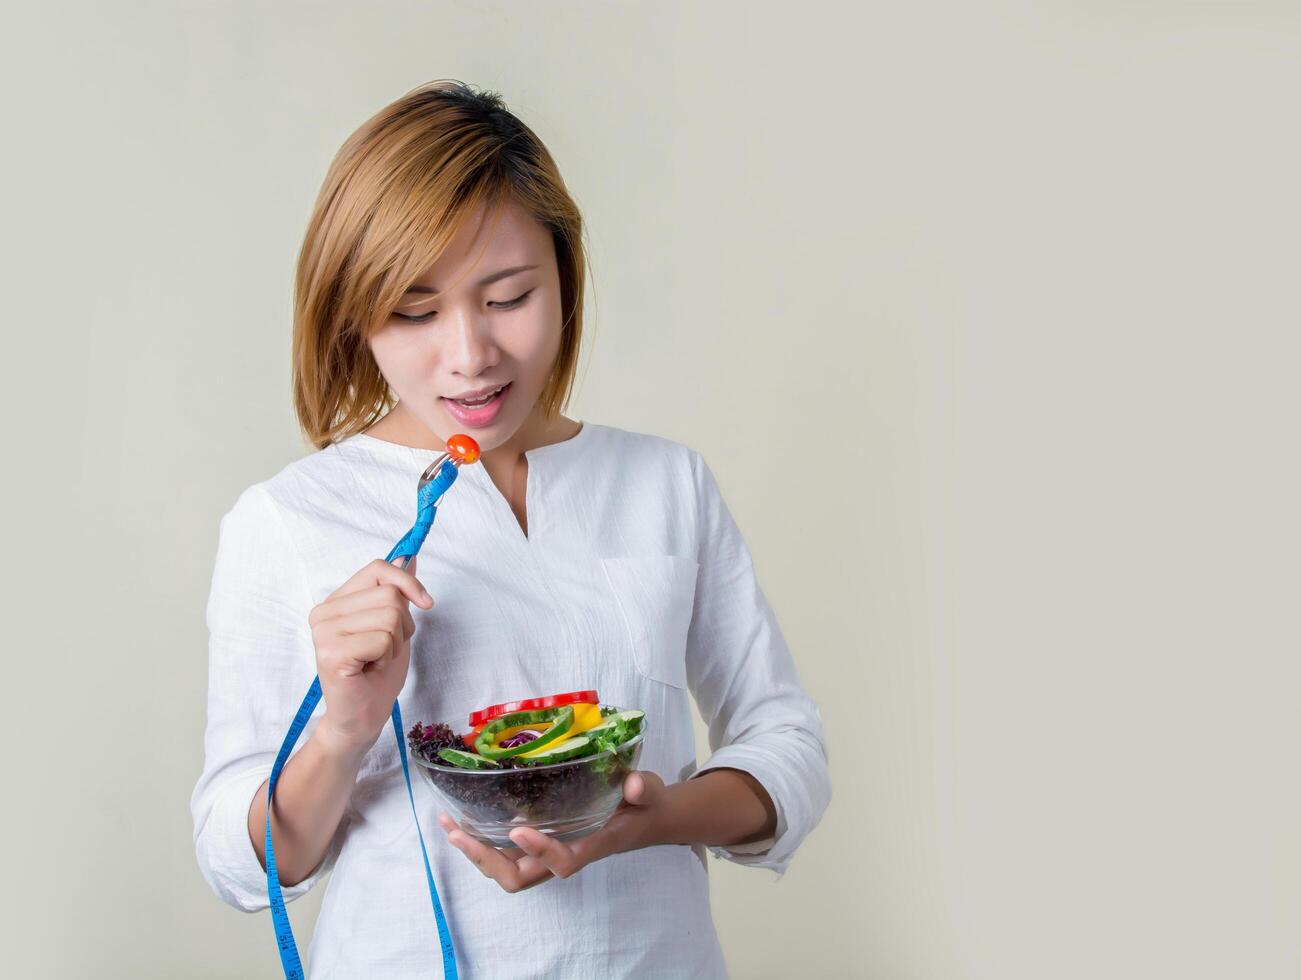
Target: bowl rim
(457,770)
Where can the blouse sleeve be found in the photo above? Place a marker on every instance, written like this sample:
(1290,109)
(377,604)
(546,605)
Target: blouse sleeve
(743,678)
(261,661)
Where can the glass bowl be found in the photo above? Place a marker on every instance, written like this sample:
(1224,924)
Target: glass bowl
(564,800)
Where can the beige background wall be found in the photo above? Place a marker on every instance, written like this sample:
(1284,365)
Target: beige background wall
(1016,283)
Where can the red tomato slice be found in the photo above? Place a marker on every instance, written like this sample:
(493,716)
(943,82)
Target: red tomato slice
(484,715)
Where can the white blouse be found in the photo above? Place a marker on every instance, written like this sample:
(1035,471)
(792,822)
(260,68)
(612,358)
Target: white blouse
(633,580)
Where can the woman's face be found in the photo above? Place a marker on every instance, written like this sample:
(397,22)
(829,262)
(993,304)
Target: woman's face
(458,335)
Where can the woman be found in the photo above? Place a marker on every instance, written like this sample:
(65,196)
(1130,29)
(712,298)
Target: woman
(440,290)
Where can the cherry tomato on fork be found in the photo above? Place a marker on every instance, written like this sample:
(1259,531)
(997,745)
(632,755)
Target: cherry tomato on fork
(463,448)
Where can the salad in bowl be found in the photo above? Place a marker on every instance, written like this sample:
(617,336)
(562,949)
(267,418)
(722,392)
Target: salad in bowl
(554,763)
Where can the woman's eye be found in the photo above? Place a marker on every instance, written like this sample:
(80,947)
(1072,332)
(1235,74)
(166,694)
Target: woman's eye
(426,317)
(512,303)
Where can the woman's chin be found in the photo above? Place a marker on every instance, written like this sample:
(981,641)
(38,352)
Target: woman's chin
(488,436)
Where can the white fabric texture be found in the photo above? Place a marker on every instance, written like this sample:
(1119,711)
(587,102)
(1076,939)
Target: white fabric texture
(633,579)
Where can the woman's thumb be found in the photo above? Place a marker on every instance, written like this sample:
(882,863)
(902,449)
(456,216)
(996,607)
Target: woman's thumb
(642,788)
(419,595)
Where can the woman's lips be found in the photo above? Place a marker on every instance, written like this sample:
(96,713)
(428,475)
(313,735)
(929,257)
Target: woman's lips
(477,418)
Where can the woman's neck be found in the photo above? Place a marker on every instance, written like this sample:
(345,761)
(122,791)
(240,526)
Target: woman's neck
(506,465)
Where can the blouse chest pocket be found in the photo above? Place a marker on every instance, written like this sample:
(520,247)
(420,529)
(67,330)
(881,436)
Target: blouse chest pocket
(656,596)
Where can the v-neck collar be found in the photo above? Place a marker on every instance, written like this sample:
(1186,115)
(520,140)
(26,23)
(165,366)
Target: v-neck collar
(554,453)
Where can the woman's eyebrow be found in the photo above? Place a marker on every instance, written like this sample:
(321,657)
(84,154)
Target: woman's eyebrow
(485,281)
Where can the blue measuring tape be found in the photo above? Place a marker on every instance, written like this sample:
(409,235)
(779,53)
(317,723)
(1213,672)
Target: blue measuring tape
(407,548)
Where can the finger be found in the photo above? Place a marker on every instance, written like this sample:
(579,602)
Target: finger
(408,565)
(380,572)
(373,598)
(642,788)
(511,875)
(448,824)
(558,858)
(525,873)
(355,652)
(634,789)
(386,619)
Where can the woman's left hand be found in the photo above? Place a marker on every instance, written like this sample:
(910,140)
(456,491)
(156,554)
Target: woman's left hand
(639,821)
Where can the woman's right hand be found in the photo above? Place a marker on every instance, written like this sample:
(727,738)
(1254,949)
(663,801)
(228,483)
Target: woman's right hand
(362,633)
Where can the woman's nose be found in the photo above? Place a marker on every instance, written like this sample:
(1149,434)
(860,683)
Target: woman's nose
(471,349)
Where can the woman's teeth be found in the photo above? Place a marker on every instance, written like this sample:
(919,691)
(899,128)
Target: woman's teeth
(479,403)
